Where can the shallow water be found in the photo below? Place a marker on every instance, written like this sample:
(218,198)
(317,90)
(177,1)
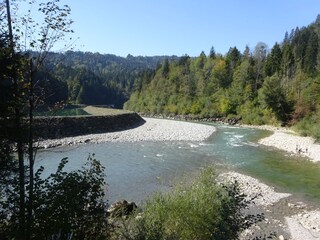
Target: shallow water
(287,173)
(136,170)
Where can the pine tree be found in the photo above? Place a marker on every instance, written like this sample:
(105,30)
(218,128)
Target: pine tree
(286,38)
(273,61)
(311,54)
(212,53)
(288,62)
(165,68)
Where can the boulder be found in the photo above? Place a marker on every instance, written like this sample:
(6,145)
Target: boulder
(121,208)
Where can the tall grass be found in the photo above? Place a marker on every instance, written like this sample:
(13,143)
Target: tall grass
(201,210)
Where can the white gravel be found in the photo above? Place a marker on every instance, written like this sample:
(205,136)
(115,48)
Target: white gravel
(252,187)
(151,130)
(304,146)
(304,225)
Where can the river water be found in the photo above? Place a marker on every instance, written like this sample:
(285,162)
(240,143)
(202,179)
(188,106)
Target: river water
(136,170)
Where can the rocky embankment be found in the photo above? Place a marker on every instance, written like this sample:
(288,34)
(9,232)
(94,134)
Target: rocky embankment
(73,126)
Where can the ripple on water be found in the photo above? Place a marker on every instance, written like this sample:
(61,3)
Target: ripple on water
(131,166)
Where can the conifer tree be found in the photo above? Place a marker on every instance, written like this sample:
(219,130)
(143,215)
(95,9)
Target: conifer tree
(273,61)
(212,53)
(311,54)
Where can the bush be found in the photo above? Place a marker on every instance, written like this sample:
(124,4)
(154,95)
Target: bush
(202,210)
(310,126)
(66,205)
(71,204)
(253,113)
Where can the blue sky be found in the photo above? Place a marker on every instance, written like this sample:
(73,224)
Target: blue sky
(177,27)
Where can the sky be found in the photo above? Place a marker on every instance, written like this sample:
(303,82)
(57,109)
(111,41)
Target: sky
(178,27)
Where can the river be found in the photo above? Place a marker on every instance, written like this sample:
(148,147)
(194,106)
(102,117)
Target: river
(136,170)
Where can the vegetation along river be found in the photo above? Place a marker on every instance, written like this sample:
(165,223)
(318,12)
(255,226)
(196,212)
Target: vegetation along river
(136,170)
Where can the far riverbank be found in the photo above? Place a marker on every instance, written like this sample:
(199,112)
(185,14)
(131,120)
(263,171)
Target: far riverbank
(290,142)
(151,130)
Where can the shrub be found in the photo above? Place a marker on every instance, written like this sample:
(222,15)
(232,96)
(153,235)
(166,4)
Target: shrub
(310,126)
(71,204)
(66,205)
(202,210)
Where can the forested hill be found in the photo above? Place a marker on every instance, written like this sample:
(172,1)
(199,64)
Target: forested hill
(93,78)
(261,86)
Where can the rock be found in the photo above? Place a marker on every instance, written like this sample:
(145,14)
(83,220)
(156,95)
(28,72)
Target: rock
(139,216)
(121,208)
(291,205)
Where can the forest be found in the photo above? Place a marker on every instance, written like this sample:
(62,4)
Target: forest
(92,78)
(280,85)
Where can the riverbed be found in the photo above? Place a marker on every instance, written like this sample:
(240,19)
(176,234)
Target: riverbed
(156,163)
(137,169)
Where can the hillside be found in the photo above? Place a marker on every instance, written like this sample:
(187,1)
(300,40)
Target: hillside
(93,78)
(276,86)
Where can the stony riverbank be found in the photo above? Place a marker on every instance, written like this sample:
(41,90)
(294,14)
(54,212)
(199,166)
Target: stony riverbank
(300,221)
(294,144)
(285,216)
(288,140)
(151,130)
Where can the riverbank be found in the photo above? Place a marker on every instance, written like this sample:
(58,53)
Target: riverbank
(296,219)
(151,130)
(288,140)
(294,144)
(285,216)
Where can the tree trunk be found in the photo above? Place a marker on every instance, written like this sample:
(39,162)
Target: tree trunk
(18,128)
(31,154)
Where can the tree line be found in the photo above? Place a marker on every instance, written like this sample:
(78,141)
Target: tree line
(92,78)
(260,86)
